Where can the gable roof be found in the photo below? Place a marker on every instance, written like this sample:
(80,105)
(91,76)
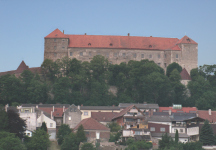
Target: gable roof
(103,116)
(186,40)
(205,115)
(185,75)
(91,124)
(124,111)
(159,118)
(73,108)
(22,67)
(122,42)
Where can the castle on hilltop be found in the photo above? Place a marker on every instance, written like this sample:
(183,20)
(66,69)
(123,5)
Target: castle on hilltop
(118,49)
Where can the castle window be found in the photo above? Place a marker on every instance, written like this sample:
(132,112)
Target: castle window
(150,46)
(81,53)
(71,53)
(54,40)
(98,53)
(89,53)
(115,54)
(63,39)
(89,44)
(123,54)
(176,55)
(107,54)
(150,56)
(134,55)
(111,44)
(164,55)
(165,65)
(158,64)
(188,40)
(55,54)
(158,55)
(54,47)
(63,47)
(142,55)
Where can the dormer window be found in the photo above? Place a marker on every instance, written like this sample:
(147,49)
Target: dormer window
(150,46)
(56,35)
(188,40)
(111,44)
(89,44)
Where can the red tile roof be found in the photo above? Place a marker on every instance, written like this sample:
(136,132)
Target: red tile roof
(58,112)
(22,67)
(124,111)
(123,42)
(184,109)
(205,115)
(103,116)
(186,40)
(91,124)
(185,75)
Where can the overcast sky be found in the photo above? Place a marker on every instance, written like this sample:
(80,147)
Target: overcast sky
(25,23)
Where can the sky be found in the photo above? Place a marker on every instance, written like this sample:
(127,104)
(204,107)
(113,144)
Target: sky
(24,24)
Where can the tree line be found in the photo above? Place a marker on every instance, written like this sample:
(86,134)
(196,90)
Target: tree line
(71,81)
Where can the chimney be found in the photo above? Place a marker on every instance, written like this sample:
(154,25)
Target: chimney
(53,108)
(78,106)
(41,116)
(128,34)
(63,108)
(170,112)
(63,31)
(52,115)
(197,114)
(85,33)
(209,111)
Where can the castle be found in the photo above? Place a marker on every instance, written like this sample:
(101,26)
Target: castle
(118,49)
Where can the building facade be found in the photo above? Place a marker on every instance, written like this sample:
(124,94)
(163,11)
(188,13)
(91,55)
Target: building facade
(118,49)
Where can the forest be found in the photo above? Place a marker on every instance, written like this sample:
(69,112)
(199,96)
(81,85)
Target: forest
(69,81)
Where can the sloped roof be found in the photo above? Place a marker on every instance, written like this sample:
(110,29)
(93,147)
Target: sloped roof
(91,124)
(124,111)
(56,34)
(140,106)
(103,116)
(22,67)
(182,116)
(186,40)
(123,42)
(159,118)
(176,47)
(99,108)
(205,115)
(184,109)
(185,75)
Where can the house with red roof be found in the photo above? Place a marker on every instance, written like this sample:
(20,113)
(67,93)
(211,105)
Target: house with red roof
(94,130)
(20,69)
(162,50)
(103,117)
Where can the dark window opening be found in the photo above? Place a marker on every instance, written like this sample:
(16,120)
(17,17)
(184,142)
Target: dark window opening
(150,46)
(138,126)
(89,44)
(111,44)
(54,40)
(188,40)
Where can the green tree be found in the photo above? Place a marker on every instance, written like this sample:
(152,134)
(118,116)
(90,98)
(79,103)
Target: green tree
(166,141)
(88,146)
(114,127)
(70,142)
(3,120)
(176,137)
(206,101)
(16,124)
(44,127)
(206,134)
(173,66)
(39,140)
(63,131)
(114,137)
(8,141)
(80,134)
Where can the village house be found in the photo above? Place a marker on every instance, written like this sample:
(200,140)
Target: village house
(103,117)
(143,107)
(94,130)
